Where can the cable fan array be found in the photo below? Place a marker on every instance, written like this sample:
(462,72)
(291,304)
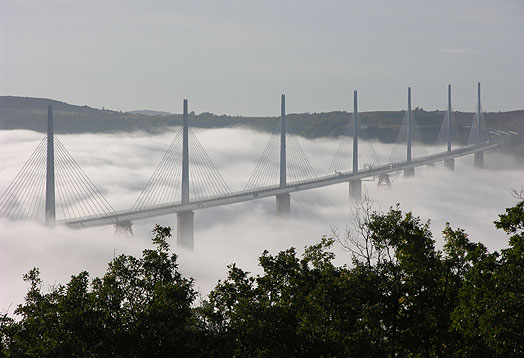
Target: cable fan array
(23,197)
(398,153)
(342,161)
(164,185)
(77,195)
(442,139)
(267,170)
(483,135)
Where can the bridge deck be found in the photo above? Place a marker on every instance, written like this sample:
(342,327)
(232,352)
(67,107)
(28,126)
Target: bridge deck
(241,196)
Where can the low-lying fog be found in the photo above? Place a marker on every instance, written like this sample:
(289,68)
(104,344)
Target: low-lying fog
(120,165)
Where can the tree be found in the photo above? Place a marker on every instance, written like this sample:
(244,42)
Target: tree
(400,297)
(140,307)
(491,308)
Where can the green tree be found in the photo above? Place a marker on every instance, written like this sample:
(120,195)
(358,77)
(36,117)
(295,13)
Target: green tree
(491,308)
(140,307)
(297,307)
(400,297)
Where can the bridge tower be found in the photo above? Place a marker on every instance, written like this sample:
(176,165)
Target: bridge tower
(50,209)
(355,186)
(449,163)
(185,219)
(409,171)
(478,157)
(283,201)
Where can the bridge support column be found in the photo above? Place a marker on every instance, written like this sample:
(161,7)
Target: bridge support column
(283,203)
(355,186)
(478,159)
(185,227)
(50,212)
(450,164)
(409,172)
(124,228)
(355,189)
(408,139)
(448,121)
(283,208)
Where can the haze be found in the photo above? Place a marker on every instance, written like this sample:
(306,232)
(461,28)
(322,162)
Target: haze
(120,165)
(237,57)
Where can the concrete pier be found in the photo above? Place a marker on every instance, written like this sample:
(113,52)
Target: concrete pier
(450,164)
(355,189)
(283,205)
(185,229)
(409,172)
(478,159)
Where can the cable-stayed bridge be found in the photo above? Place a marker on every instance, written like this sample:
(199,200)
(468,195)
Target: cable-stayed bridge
(186,179)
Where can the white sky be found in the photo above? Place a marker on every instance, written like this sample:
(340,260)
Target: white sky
(238,56)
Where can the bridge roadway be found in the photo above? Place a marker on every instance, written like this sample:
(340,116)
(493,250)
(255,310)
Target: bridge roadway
(129,215)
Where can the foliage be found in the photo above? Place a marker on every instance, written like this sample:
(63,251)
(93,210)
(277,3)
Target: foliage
(140,307)
(398,297)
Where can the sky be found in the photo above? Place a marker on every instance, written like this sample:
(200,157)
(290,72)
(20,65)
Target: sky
(121,164)
(238,56)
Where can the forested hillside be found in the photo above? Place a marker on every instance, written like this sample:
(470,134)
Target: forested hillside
(31,113)
(396,296)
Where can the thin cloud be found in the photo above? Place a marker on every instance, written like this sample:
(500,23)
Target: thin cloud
(120,165)
(458,50)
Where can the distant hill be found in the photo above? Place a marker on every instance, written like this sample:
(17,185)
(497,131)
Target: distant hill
(31,113)
(148,112)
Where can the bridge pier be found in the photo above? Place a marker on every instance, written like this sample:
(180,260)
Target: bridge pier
(185,227)
(409,172)
(124,228)
(355,189)
(283,207)
(450,164)
(383,180)
(478,159)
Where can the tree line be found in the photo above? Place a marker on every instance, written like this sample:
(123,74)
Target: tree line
(397,297)
(31,113)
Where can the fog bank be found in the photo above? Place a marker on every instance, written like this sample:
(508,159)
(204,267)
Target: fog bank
(120,165)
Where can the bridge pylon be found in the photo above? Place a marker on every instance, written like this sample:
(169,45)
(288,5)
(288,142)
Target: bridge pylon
(409,171)
(355,186)
(185,219)
(283,201)
(449,163)
(50,207)
(478,157)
